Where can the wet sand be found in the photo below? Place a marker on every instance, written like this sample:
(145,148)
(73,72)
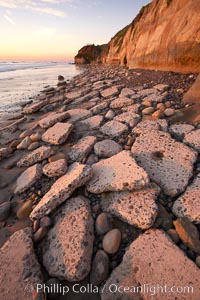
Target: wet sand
(18,87)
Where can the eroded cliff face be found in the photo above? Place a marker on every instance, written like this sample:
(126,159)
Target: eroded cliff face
(92,54)
(165,35)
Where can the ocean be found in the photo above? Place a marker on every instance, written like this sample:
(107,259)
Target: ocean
(20,81)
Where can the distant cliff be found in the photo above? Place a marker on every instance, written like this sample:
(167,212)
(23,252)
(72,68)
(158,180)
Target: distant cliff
(92,54)
(164,35)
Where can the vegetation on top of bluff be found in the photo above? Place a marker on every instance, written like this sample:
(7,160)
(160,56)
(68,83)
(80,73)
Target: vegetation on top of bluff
(139,15)
(118,38)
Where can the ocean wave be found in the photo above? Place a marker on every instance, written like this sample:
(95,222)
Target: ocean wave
(16,66)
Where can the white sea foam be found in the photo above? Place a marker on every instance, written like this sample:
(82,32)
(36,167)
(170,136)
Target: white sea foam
(21,80)
(14,66)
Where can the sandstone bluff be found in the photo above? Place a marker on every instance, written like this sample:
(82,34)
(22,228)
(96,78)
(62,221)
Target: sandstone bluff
(165,35)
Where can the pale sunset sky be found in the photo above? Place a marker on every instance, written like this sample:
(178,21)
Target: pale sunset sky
(57,29)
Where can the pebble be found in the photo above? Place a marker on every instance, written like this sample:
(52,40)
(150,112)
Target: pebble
(128,148)
(14,144)
(166,218)
(188,233)
(146,103)
(130,141)
(92,159)
(100,268)
(168,104)
(173,235)
(158,223)
(110,114)
(48,89)
(57,156)
(33,146)
(132,123)
(157,114)
(35,137)
(160,106)
(111,241)
(45,222)
(122,140)
(25,143)
(62,84)
(26,133)
(61,78)
(96,208)
(4,211)
(181,91)
(148,111)
(36,225)
(198,261)
(25,210)
(107,148)
(56,168)
(40,234)
(110,92)
(169,112)
(124,236)
(63,108)
(114,129)
(104,223)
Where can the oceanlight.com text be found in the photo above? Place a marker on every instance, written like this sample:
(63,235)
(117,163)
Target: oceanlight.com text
(152,290)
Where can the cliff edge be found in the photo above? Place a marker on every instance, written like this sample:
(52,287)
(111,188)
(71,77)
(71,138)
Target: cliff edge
(165,35)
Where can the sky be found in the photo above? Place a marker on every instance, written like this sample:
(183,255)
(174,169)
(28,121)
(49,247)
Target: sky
(57,29)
